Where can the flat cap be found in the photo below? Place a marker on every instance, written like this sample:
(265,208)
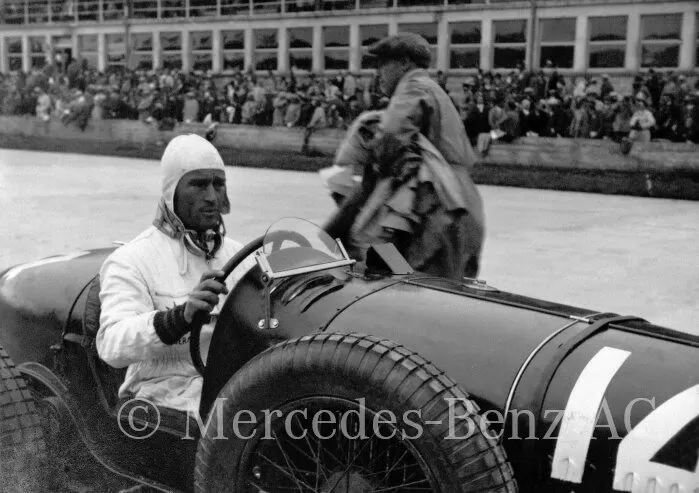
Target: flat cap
(403,45)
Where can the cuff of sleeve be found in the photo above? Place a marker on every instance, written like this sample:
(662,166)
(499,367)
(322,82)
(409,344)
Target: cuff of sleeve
(170,325)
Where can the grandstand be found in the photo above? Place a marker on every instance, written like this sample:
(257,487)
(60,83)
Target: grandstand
(618,37)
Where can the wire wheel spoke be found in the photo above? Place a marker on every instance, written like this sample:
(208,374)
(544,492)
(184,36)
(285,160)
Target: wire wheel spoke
(335,457)
(291,475)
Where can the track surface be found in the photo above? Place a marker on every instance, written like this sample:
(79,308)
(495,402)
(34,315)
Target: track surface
(628,255)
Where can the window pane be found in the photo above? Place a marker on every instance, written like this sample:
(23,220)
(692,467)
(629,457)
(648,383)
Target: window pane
(91,59)
(510,31)
(38,12)
(88,10)
(116,59)
(233,40)
(232,61)
(112,10)
(14,45)
(301,37)
(611,56)
(234,7)
(67,41)
(337,4)
(336,36)
(465,33)
(115,43)
(36,44)
(608,28)
(88,43)
(172,8)
(553,30)
(336,59)
(172,60)
(266,6)
(560,56)
(15,63)
(38,61)
(265,38)
(143,9)
(201,40)
(301,59)
(142,41)
(370,34)
(170,41)
(142,61)
(508,57)
(12,12)
(201,61)
(202,8)
(417,3)
(660,55)
(375,4)
(427,31)
(661,26)
(465,58)
(300,5)
(265,60)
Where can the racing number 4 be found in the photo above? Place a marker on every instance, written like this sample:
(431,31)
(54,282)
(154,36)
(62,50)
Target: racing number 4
(635,471)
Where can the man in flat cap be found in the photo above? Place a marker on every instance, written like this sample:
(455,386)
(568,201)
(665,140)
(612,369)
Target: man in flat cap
(418,107)
(418,104)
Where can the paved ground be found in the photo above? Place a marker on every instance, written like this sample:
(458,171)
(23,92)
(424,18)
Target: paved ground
(609,253)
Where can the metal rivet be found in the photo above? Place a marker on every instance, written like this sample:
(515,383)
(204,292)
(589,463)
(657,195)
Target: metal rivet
(261,324)
(274,323)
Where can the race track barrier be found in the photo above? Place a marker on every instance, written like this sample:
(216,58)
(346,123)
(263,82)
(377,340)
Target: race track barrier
(657,169)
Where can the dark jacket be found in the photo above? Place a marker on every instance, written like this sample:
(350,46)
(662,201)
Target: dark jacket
(476,122)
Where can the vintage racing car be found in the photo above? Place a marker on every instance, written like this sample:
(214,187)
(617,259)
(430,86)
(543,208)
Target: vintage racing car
(324,375)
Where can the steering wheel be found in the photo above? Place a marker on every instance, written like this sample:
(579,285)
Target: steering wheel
(277,238)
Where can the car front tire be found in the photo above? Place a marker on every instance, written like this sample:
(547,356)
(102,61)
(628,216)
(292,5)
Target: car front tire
(430,436)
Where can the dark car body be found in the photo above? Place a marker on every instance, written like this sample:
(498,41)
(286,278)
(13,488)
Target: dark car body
(564,387)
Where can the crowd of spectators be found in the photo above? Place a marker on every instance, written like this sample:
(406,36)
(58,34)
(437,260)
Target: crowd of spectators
(544,103)
(502,106)
(165,97)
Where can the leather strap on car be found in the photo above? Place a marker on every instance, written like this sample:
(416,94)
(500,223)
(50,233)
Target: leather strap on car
(530,452)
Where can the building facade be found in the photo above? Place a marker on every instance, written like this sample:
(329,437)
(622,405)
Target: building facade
(577,36)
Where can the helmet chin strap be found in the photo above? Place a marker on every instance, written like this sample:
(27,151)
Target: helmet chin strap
(206,243)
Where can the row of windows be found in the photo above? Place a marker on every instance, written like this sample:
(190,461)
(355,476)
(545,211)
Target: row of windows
(660,45)
(61,11)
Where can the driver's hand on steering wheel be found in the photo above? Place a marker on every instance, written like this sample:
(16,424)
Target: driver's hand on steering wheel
(204,298)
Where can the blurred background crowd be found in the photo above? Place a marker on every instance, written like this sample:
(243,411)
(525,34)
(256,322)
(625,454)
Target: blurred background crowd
(504,105)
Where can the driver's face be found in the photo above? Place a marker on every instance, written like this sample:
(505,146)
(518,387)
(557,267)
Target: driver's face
(199,199)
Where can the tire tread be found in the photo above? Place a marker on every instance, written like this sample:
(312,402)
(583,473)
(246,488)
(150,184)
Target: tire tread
(481,462)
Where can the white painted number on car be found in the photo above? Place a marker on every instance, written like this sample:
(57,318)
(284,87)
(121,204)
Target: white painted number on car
(634,470)
(580,415)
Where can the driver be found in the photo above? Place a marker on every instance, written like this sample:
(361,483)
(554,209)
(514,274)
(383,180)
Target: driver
(152,288)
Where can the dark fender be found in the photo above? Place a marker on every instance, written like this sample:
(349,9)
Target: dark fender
(303,305)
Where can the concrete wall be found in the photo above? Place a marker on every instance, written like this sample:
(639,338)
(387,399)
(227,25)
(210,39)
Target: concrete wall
(653,169)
